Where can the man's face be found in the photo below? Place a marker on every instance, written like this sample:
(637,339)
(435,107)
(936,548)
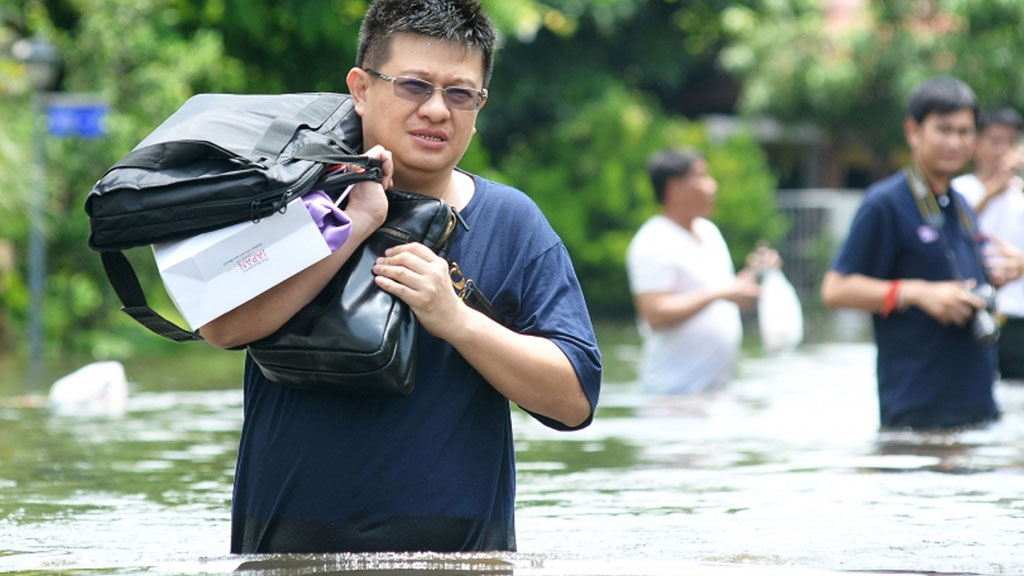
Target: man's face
(943,143)
(426,139)
(693,195)
(993,143)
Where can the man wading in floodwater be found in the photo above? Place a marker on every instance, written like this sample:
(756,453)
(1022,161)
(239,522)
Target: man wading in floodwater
(435,470)
(912,259)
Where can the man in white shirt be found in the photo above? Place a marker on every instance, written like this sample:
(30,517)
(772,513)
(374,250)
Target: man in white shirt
(994,190)
(686,291)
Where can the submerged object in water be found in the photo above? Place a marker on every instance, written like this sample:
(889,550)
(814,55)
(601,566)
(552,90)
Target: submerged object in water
(96,389)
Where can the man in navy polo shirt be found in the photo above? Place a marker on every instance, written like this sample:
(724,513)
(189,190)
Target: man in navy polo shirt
(434,471)
(912,259)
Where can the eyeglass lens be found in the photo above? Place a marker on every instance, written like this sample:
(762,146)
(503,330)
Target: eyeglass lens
(420,90)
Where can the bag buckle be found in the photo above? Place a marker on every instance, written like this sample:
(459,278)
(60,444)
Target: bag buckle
(458,279)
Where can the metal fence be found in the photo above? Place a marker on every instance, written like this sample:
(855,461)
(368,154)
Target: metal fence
(819,219)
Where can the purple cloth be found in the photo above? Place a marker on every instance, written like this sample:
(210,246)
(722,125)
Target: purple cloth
(332,221)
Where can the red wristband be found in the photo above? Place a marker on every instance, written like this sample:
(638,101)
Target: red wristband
(891,298)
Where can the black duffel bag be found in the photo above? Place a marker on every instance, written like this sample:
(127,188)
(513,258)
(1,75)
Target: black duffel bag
(221,159)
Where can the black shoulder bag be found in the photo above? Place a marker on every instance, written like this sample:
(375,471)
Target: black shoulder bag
(354,337)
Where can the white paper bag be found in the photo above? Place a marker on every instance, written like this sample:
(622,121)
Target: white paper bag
(212,273)
(780,317)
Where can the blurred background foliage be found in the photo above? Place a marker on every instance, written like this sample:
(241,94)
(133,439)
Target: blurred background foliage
(583,92)
(850,75)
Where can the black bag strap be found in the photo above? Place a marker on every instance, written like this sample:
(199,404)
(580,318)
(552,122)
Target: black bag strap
(282,130)
(470,293)
(334,182)
(172,154)
(333,154)
(126,284)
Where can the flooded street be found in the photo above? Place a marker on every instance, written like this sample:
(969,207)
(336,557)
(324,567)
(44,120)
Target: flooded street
(785,467)
(783,472)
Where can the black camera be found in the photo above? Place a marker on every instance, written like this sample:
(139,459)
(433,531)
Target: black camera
(984,327)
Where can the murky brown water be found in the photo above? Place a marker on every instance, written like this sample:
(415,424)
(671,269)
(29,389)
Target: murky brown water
(783,472)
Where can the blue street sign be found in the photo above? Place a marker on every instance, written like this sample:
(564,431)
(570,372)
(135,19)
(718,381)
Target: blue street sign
(82,119)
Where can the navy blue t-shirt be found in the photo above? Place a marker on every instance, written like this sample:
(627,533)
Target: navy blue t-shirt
(434,471)
(929,375)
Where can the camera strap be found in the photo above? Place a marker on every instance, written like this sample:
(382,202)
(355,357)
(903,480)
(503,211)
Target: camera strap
(931,213)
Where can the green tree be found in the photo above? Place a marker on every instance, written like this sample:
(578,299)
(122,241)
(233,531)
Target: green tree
(665,49)
(852,77)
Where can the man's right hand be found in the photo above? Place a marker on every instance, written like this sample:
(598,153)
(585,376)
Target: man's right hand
(947,302)
(367,204)
(745,290)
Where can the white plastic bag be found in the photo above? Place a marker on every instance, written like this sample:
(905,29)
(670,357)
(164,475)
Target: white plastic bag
(96,389)
(780,317)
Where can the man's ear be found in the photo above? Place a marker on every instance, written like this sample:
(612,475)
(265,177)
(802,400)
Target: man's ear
(910,131)
(357,81)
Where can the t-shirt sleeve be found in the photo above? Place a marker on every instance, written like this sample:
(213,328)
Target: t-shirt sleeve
(553,307)
(870,248)
(647,264)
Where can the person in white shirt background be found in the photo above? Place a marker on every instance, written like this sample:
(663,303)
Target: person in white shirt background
(994,190)
(687,293)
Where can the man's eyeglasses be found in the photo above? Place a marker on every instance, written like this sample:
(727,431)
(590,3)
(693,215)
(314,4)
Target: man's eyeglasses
(416,90)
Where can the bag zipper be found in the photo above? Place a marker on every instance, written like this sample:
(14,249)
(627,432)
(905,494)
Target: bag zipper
(454,219)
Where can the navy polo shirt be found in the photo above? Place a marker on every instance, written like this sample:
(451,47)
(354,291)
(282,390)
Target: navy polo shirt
(434,471)
(929,375)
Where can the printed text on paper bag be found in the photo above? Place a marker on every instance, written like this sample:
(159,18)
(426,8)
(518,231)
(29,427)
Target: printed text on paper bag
(251,258)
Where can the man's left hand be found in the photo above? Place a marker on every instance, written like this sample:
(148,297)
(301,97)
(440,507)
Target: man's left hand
(420,278)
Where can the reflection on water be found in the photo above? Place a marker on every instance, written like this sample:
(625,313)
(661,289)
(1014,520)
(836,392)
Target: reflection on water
(782,472)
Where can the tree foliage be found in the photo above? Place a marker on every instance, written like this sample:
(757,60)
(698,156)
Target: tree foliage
(852,76)
(132,55)
(589,175)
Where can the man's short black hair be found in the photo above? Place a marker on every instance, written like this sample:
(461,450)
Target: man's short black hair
(941,95)
(463,22)
(667,164)
(1002,116)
